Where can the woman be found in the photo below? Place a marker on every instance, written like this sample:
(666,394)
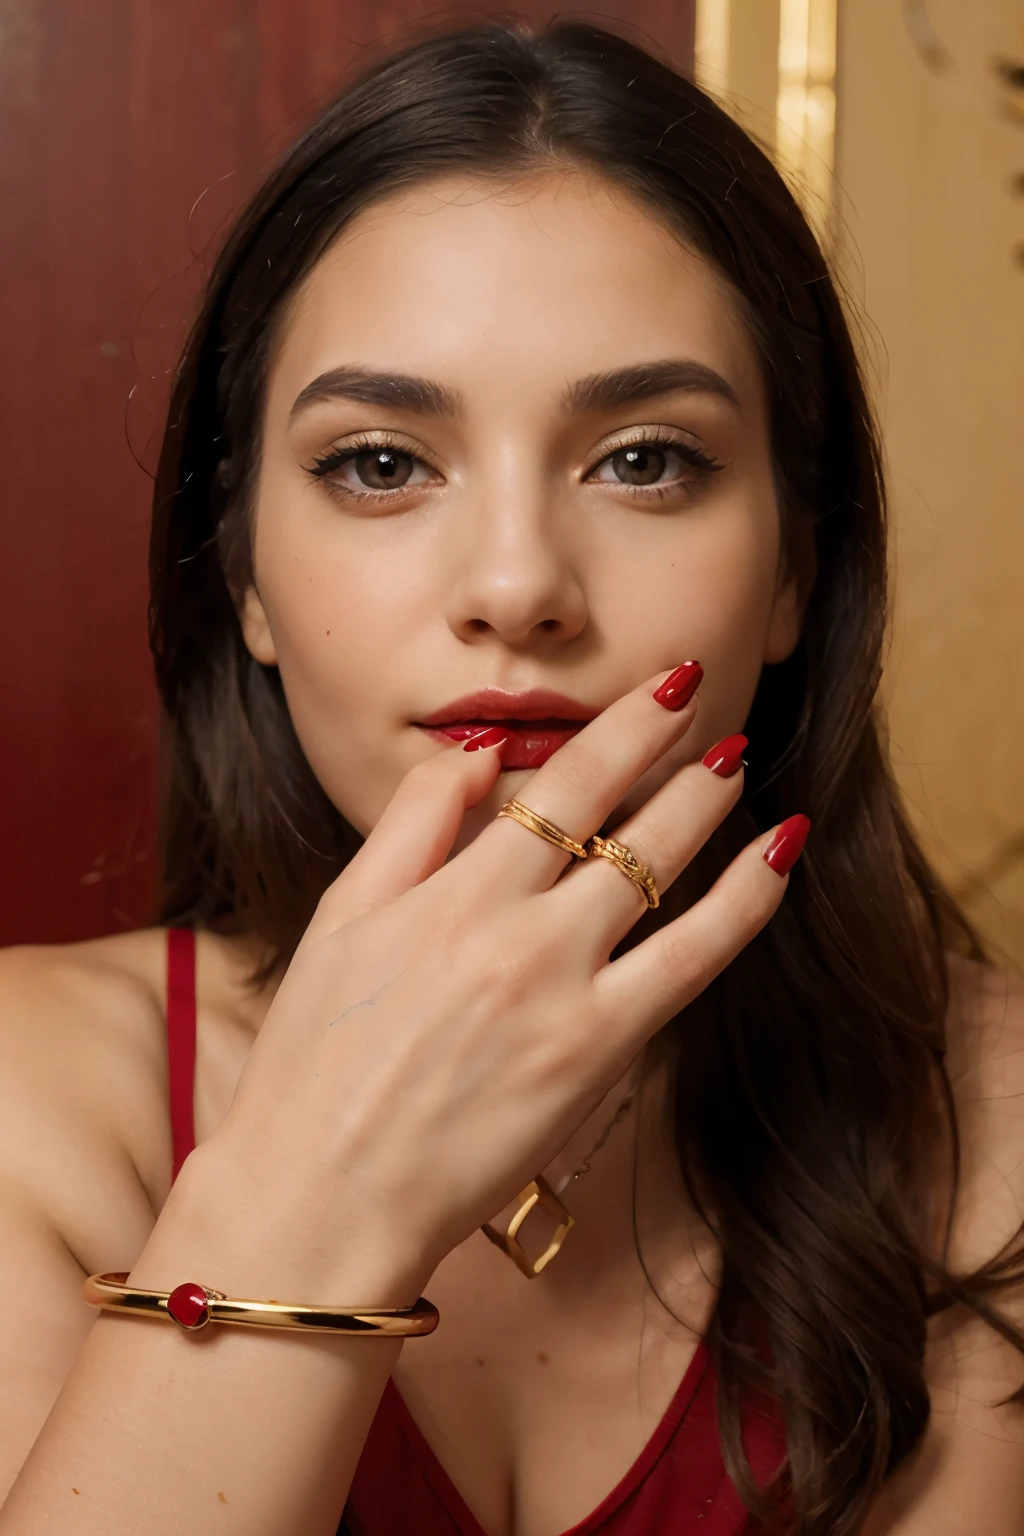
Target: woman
(520,383)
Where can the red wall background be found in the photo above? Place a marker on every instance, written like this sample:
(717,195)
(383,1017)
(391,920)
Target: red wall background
(129,130)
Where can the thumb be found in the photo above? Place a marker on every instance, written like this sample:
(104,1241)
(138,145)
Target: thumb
(415,834)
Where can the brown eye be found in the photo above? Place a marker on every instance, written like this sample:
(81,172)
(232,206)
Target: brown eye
(382,469)
(373,471)
(640,465)
(658,464)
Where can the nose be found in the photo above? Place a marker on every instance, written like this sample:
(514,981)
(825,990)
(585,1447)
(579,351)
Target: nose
(518,578)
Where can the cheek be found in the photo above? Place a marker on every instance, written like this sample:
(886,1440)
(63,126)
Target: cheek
(708,598)
(705,591)
(342,614)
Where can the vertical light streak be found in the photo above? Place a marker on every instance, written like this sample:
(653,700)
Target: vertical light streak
(806,105)
(711,46)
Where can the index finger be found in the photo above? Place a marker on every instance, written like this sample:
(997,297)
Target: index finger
(578,788)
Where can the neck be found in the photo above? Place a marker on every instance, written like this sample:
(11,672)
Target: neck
(634,1224)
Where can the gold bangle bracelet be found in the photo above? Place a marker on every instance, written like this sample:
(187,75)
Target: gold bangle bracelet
(192,1306)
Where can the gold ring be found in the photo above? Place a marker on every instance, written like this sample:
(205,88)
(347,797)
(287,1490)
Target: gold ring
(604,848)
(517,811)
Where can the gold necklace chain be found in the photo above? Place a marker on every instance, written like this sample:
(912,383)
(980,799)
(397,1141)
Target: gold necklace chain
(617,1119)
(540,1192)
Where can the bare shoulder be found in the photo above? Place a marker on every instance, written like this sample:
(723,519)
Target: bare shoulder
(972,1369)
(967,1473)
(985,1061)
(85,1144)
(986,1016)
(83,1133)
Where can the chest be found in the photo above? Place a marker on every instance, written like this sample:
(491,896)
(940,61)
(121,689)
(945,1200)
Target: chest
(538,1405)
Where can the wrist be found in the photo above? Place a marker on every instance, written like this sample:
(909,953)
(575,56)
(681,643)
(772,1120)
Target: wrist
(239,1228)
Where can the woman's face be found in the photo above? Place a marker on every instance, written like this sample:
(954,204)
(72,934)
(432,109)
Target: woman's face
(515,460)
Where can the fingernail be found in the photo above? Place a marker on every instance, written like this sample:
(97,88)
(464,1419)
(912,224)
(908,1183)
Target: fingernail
(493,736)
(680,686)
(726,758)
(787,844)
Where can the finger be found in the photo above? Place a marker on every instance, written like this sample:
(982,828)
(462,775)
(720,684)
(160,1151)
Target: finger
(650,984)
(578,788)
(415,834)
(665,834)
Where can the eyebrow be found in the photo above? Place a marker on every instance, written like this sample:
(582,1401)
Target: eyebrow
(402,391)
(641,381)
(596,392)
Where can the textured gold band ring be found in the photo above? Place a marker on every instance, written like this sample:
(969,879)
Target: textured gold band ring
(620,856)
(515,810)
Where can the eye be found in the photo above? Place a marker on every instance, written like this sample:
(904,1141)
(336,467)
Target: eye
(653,464)
(640,465)
(369,469)
(378,469)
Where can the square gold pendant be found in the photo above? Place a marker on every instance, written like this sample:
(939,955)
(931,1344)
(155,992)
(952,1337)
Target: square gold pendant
(537,1193)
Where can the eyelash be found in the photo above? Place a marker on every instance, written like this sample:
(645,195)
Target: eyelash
(701,463)
(335,458)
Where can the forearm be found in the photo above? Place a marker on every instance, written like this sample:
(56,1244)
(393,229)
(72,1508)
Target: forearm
(234,1429)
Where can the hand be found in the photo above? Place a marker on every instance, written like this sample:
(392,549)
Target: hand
(445,1027)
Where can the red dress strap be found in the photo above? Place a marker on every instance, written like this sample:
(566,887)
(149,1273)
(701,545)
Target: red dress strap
(181,1042)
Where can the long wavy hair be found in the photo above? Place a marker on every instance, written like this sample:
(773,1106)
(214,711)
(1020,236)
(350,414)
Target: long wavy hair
(813,1110)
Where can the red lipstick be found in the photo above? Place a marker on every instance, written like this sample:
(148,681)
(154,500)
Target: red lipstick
(536,722)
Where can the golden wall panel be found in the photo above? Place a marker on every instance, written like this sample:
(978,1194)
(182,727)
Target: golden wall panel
(930,159)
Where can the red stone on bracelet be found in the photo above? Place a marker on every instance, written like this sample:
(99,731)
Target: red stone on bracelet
(189,1305)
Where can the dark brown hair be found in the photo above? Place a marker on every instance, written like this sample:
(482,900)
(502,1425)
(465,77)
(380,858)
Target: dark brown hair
(810,1083)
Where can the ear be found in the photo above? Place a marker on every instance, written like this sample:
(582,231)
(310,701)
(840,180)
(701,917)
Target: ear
(798,568)
(256,628)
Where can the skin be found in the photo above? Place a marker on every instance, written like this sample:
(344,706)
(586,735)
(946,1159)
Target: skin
(508,563)
(516,558)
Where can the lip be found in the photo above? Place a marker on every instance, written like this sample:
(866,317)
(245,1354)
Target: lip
(538,722)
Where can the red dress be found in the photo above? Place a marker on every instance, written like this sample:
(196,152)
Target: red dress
(678,1486)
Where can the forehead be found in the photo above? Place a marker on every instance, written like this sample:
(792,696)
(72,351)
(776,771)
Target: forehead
(553,277)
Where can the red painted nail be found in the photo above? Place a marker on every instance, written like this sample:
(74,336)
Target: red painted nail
(725,759)
(787,844)
(493,736)
(680,686)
